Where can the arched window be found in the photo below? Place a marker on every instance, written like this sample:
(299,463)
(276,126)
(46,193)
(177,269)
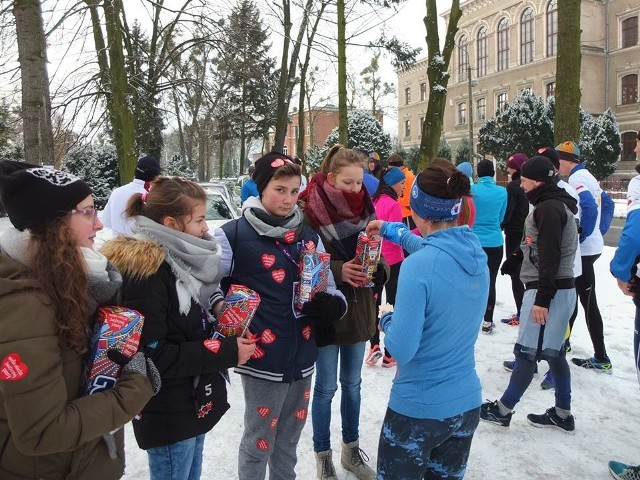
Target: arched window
(552,28)
(628,147)
(481,49)
(526,36)
(630,32)
(629,89)
(463,58)
(503,44)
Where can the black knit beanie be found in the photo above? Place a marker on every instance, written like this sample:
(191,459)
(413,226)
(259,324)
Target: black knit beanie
(147,169)
(35,196)
(485,168)
(266,166)
(539,168)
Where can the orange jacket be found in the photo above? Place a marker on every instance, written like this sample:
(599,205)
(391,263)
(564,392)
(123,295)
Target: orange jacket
(406,195)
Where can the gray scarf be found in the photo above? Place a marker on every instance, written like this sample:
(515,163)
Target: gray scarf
(194,261)
(275,229)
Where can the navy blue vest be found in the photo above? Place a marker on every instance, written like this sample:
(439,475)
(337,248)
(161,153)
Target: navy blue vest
(287,349)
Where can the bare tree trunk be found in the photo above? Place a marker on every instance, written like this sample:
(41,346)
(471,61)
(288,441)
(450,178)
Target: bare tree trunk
(438,75)
(567,118)
(183,149)
(300,152)
(36,101)
(288,72)
(113,79)
(342,75)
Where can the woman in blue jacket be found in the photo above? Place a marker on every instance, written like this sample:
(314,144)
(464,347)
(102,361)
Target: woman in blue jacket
(491,204)
(434,404)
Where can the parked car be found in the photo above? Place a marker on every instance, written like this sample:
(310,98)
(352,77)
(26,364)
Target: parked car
(220,208)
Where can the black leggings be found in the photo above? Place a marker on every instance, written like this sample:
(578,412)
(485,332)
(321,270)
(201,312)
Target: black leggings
(494,258)
(586,289)
(511,242)
(391,288)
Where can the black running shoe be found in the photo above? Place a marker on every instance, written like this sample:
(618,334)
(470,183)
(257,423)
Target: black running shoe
(551,419)
(490,412)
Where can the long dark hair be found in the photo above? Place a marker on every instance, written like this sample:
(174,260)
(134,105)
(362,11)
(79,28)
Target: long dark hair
(61,271)
(442,179)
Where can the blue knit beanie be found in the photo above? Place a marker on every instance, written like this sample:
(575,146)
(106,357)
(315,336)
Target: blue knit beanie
(394,175)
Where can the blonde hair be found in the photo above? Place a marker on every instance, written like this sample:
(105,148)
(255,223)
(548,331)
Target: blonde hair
(339,156)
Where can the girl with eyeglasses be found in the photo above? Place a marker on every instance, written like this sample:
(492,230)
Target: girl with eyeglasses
(51,284)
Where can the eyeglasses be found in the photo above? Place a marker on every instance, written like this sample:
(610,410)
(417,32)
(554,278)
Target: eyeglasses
(86,212)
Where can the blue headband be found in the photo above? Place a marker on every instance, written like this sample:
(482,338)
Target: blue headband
(433,208)
(394,175)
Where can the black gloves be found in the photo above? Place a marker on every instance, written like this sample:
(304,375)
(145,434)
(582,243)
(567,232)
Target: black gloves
(325,309)
(511,266)
(139,363)
(379,277)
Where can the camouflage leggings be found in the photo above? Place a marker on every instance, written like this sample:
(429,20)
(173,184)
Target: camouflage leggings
(415,448)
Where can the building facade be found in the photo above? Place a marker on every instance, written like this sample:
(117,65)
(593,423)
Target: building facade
(505,46)
(319,122)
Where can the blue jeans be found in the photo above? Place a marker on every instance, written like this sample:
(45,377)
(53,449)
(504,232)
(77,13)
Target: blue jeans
(178,461)
(351,357)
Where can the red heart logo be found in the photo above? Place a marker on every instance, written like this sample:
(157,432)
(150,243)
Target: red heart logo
(262,444)
(310,246)
(301,414)
(268,260)
(307,395)
(279,275)
(264,411)
(13,368)
(278,162)
(268,337)
(290,236)
(306,332)
(274,423)
(213,345)
(258,353)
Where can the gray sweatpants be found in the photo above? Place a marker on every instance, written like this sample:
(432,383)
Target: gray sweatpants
(274,416)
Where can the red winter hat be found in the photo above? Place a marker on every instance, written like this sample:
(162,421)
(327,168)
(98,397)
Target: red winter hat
(517,160)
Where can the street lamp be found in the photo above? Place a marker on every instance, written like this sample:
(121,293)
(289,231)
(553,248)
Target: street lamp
(471,83)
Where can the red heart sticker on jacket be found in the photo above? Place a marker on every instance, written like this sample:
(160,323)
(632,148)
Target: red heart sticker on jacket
(310,246)
(258,353)
(13,368)
(290,236)
(268,260)
(262,444)
(307,395)
(301,414)
(306,332)
(264,411)
(274,423)
(268,337)
(213,345)
(279,275)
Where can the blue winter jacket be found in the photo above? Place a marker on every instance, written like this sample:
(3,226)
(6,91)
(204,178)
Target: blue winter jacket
(433,330)
(491,204)
(627,256)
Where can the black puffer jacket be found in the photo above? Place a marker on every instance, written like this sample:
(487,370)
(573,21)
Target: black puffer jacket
(193,396)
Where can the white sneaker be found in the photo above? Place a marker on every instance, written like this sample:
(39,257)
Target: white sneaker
(487,327)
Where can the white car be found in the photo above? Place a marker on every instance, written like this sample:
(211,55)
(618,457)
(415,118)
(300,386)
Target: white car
(220,209)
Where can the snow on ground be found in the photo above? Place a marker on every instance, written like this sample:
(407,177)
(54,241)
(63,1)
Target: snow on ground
(605,408)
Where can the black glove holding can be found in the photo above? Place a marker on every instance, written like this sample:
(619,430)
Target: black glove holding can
(325,309)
